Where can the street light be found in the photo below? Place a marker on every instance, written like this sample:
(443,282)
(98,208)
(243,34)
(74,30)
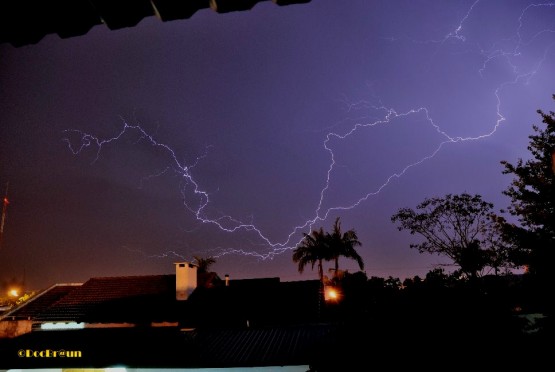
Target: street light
(331,294)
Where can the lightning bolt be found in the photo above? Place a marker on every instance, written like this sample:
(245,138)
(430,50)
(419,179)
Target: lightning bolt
(196,199)
(457,32)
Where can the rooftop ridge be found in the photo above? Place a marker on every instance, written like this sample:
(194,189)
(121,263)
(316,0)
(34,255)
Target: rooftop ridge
(129,276)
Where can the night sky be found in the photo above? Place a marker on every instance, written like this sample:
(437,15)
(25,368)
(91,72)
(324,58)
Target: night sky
(238,132)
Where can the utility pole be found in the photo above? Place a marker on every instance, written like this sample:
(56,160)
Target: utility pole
(4,210)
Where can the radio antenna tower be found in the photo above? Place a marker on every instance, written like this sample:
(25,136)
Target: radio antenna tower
(4,210)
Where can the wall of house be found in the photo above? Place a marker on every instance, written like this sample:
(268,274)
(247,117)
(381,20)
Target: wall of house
(14,328)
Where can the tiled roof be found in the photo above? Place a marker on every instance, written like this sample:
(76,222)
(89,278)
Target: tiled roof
(144,347)
(147,299)
(24,22)
(264,346)
(121,299)
(41,301)
(253,322)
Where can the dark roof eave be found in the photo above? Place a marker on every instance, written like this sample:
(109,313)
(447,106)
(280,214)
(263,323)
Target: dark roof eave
(25,22)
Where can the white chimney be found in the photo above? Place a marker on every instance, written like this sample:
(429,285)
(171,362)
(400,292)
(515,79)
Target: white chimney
(185,280)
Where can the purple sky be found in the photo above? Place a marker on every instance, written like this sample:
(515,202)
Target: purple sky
(280,118)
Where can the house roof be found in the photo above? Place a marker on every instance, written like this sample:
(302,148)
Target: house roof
(251,322)
(24,22)
(114,299)
(263,346)
(170,348)
(33,307)
(151,298)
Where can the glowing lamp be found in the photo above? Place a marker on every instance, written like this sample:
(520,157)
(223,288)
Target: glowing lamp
(331,294)
(13,293)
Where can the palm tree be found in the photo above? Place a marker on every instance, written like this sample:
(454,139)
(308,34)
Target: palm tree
(343,244)
(204,264)
(313,249)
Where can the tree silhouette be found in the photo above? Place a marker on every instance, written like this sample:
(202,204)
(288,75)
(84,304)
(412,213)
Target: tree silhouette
(436,277)
(343,244)
(313,249)
(203,264)
(319,246)
(532,194)
(461,227)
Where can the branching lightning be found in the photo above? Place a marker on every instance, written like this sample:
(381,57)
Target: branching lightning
(196,199)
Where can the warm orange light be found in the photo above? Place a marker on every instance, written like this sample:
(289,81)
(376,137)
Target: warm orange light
(14,293)
(331,294)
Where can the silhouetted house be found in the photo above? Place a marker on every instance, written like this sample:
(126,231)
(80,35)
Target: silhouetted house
(155,301)
(242,323)
(115,302)
(252,302)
